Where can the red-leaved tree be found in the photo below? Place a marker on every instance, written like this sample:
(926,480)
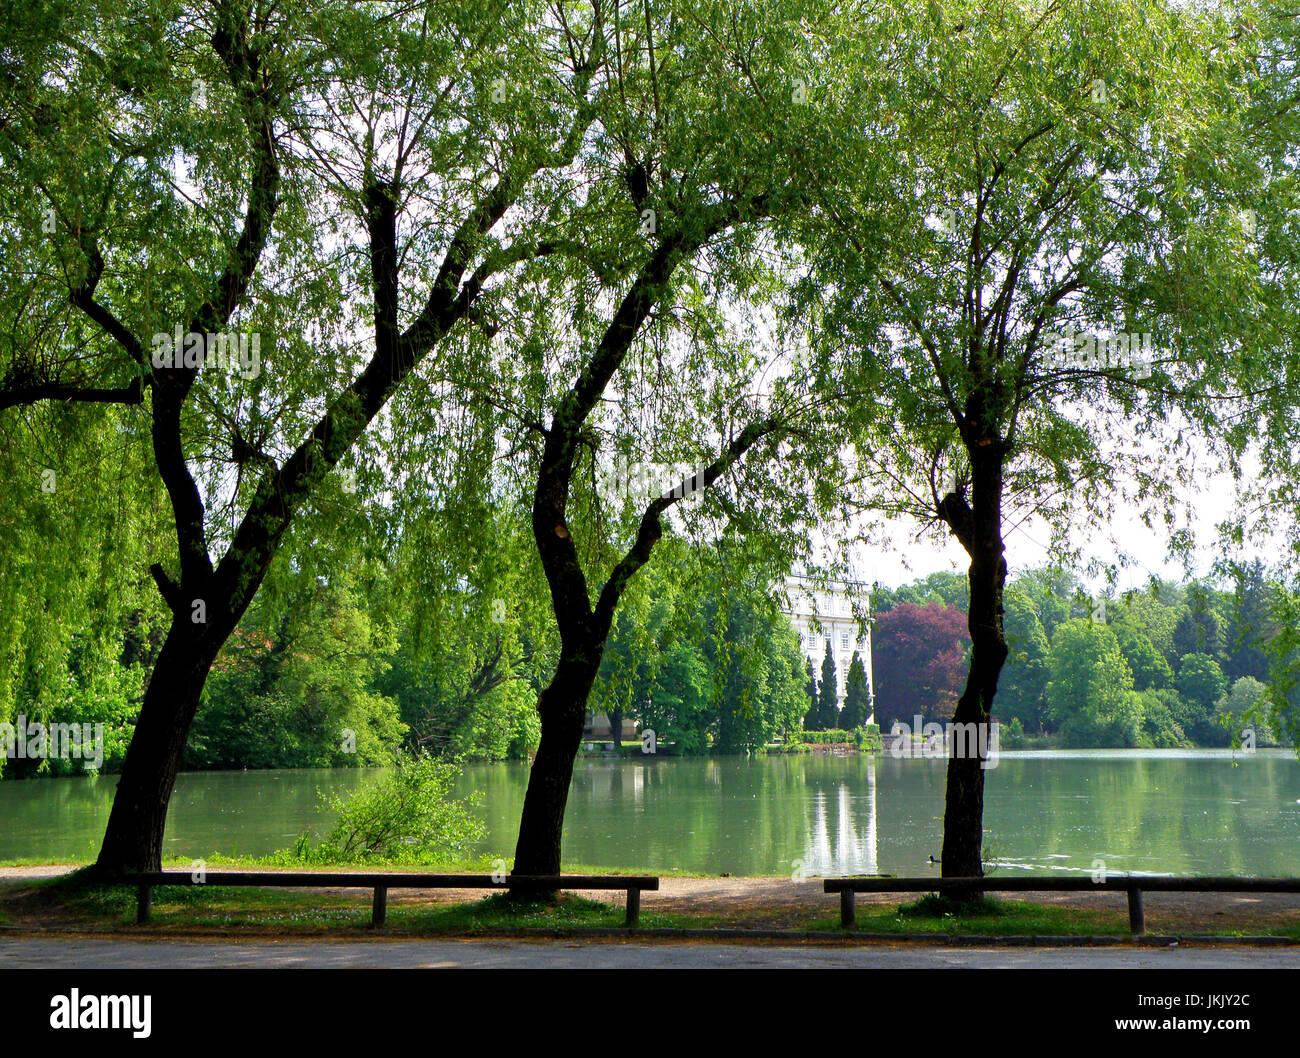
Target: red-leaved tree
(919,655)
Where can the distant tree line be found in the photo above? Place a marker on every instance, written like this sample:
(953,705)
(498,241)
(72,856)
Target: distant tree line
(708,662)
(1169,665)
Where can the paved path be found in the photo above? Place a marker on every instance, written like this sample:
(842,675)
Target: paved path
(104,953)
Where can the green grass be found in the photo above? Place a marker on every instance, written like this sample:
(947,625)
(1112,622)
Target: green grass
(176,905)
(989,917)
(48,861)
(78,902)
(468,865)
(498,912)
(1291,930)
(282,910)
(477,865)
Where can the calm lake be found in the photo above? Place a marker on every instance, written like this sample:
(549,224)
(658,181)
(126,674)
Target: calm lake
(1166,811)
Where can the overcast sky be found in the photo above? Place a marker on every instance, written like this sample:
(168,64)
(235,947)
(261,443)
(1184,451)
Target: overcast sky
(1027,546)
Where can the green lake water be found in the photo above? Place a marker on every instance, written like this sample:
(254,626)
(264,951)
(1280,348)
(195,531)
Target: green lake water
(1165,811)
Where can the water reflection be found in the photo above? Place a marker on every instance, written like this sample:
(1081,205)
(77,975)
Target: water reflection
(1166,811)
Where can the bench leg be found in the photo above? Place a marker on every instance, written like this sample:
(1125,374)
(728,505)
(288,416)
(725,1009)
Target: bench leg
(846,908)
(1136,920)
(144,904)
(380,910)
(633,908)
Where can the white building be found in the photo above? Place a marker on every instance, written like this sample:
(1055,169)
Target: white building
(838,613)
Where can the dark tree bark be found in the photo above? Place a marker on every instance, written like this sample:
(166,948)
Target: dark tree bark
(616,728)
(583,628)
(978,527)
(583,631)
(205,605)
(563,709)
(134,836)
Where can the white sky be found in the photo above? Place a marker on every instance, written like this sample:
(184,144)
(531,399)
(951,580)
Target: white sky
(1027,546)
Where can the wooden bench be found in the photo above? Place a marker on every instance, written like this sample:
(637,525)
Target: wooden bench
(381,883)
(1132,885)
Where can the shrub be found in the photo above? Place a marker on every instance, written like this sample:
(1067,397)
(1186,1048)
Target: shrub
(406,815)
(824,738)
(1012,735)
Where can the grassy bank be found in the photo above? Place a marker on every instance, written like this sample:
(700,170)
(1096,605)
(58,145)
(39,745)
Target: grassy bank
(71,903)
(285,860)
(277,912)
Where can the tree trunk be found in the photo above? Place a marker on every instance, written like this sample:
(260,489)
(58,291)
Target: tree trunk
(616,728)
(980,531)
(583,630)
(563,709)
(133,840)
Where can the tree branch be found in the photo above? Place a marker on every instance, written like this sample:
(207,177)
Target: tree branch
(651,529)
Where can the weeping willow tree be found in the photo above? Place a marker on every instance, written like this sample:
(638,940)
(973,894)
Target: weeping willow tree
(253,221)
(643,377)
(1267,516)
(249,221)
(81,619)
(1069,297)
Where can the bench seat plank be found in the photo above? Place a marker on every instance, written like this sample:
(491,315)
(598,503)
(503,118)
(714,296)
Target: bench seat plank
(1115,883)
(381,882)
(368,880)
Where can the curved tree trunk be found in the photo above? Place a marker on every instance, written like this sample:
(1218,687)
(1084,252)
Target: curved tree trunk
(133,840)
(563,709)
(979,528)
(583,628)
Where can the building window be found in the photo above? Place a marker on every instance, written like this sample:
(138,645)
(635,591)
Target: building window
(844,641)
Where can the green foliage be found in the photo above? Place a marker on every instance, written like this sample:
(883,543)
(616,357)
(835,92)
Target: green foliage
(830,738)
(1174,711)
(466,693)
(1090,688)
(1024,679)
(1162,710)
(1200,685)
(1148,666)
(856,704)
(1243,707)
(1152,613)
(951,590)
(828,709)
(1253,625)
(704,662)
(79,622)
(1284,692)
(341,668)
(812,715)
(406,816)
(762,693)
(1012,734)
(295,687)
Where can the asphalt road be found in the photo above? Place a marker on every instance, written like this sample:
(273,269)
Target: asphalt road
(104,953)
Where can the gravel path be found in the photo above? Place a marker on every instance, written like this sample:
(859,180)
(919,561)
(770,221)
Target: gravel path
(130,953)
